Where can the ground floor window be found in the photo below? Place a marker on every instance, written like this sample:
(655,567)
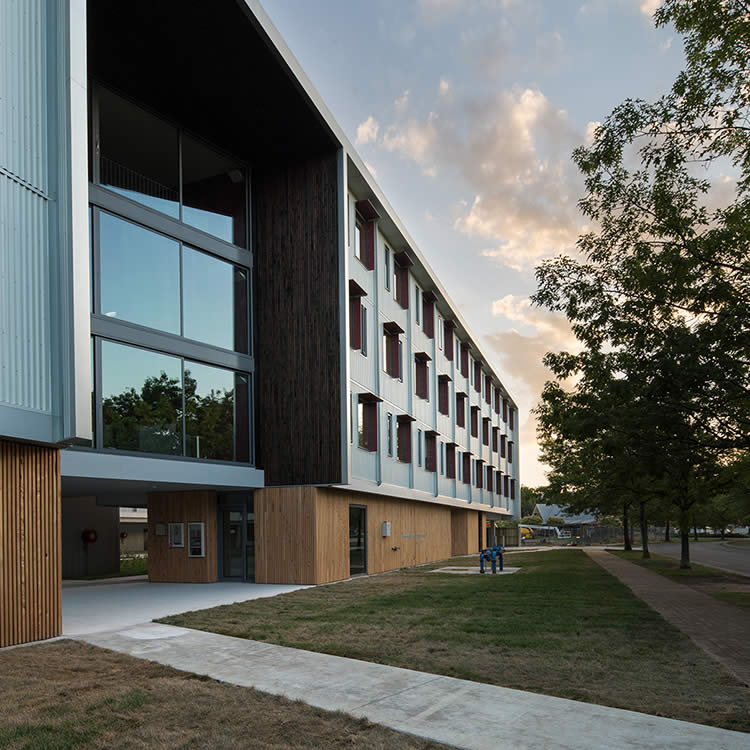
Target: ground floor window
(237,537)
(357,540)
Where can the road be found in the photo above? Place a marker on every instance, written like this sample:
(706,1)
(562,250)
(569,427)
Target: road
(718,554)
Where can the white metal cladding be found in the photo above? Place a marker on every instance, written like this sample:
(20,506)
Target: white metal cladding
(23,91)
(25,351)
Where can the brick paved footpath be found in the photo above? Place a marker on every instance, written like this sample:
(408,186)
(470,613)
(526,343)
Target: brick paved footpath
(722,630)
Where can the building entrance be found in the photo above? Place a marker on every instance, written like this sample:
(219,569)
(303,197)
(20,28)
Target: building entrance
(236,539)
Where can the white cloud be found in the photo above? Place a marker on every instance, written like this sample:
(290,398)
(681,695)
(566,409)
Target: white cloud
(648,7)
(591,131)
(414,139)
(445,87)
(367,131)
(521,354)
(401,103)
(372,170)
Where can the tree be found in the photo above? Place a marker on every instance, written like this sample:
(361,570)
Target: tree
(531,521)
(530,496)
(661,289)
(555,521)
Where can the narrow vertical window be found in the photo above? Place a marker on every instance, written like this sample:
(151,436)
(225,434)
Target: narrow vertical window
(359,242)
(389,433)
(364,330)
(417,304)
(419,447)
(387,268)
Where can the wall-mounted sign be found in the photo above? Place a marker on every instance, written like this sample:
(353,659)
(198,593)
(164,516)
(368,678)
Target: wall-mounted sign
(161,529)
(196,540)
(176,534)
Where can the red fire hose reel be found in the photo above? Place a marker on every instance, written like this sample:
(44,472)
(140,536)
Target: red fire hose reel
(88,536)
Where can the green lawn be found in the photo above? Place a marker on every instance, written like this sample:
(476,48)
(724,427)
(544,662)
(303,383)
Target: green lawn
(129,566)
(561,626)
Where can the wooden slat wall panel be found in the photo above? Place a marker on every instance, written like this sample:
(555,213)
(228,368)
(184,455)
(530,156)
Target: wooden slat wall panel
(298,424)
(285,550)
(331,537)
(172,565)
(30,571)
(421,531)
(465,531)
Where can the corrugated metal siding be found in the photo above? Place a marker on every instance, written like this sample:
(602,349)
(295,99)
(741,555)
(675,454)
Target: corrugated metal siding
(23,90)
(25,347)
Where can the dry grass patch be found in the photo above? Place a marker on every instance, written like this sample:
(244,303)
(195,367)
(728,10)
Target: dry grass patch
(65,695)
(560,626)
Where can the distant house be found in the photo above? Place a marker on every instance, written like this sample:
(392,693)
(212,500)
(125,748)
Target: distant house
(545,512)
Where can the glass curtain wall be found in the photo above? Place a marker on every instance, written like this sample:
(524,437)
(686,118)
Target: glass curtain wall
(171,288)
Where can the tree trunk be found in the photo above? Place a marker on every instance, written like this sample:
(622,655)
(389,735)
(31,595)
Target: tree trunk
(644,530)
(667,531)
(628,544)
(684,539)
(723,533)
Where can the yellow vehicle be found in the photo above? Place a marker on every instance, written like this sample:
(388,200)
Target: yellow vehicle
(526,533)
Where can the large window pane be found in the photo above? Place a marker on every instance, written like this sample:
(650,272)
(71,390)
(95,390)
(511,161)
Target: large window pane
(216,413)
(213,192)
(141,400)
(215,301)
(140,274)
(139,155)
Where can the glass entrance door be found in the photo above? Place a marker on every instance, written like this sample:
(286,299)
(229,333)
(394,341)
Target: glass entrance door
(357,540)
(233,558)
(238,542)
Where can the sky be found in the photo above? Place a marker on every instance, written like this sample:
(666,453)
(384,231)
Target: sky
(466,112)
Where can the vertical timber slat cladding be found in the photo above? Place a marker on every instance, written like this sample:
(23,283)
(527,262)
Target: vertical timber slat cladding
(302,533)
(464,531)
(285,544)
(298,423)
(172,564)
(30,572)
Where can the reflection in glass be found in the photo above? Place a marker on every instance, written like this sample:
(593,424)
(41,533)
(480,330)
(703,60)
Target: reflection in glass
(215,301)
(139,154)
(141,400)
(213,192)
(140,274)
(357,541)
(216,413)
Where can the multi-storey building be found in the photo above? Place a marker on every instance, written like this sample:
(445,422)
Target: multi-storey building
(208,308)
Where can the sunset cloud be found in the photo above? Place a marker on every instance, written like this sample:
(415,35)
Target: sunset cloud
(367,131)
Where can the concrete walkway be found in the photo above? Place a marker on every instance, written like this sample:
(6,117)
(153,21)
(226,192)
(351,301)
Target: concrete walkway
(94,606)
(456,712)
(721,630)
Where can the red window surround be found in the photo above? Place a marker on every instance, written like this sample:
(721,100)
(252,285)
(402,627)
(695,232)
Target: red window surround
(465,360)
(402,261)
(392,363)
(422,380)
(403,437)
(497,400)
(475,421)
(511,412)
(460,409)
(428,313)
(444,394)
(488,389)
(467,468)
(450,460)
(368,425)
(512,489)
(480,473)
(486,430)
(477,376)
(448,326)
(506,486)
(502,446)
(499,483)
(490,483)
(495,433)
(355,314)
(430,450)
(505,410)
(510,451)
(367,217)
